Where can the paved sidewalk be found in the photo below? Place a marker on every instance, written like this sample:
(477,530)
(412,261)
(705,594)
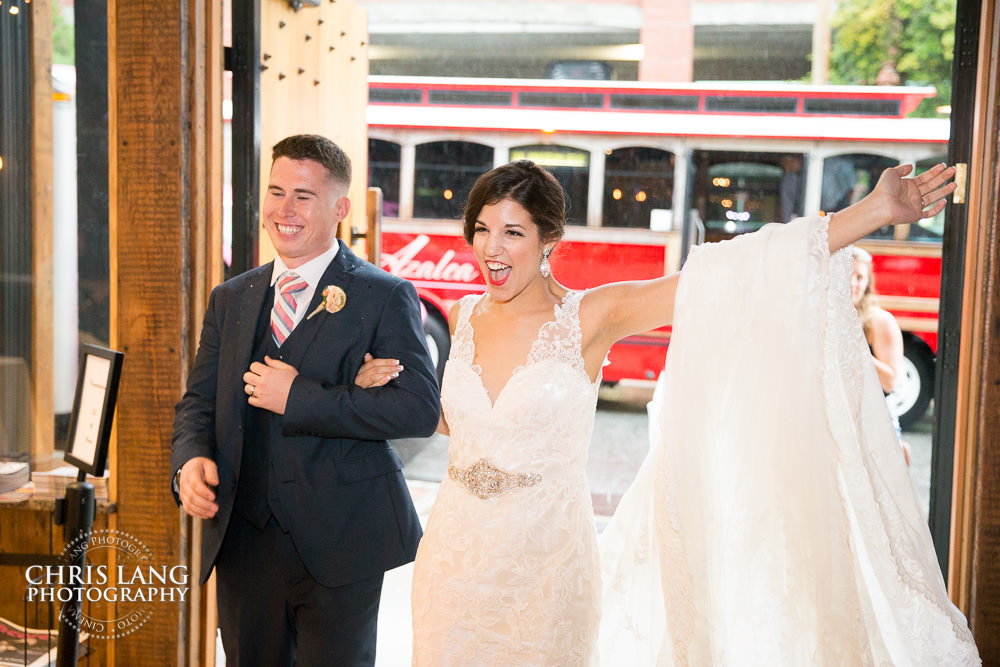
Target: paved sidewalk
(395,634)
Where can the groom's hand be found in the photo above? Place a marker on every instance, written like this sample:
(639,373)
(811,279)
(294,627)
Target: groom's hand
(267,384)
(195,484)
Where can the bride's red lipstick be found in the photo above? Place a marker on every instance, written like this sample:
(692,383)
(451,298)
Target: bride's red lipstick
(499,274)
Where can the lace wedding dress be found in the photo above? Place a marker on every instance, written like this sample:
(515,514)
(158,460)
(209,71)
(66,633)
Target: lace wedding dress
(773,521)
(507,572)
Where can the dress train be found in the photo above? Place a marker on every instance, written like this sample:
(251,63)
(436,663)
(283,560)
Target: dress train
(773,521)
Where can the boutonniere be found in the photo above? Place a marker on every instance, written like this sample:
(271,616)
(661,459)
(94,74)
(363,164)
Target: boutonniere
(333,300)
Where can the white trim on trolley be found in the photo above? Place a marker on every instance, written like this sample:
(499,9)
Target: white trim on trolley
(549,122)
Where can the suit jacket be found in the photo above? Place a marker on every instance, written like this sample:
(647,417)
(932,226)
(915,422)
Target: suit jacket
(340,482)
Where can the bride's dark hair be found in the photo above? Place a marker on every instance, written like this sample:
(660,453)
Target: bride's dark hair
(534,188)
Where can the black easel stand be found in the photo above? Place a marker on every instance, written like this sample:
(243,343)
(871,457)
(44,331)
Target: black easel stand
(76,514)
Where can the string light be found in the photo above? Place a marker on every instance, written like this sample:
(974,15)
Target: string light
(616,194)
(14,7)
(448,194)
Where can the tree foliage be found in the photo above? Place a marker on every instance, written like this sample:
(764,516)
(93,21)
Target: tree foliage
(916,37)
(62,36)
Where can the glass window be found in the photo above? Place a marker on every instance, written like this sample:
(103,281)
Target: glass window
(49,306)
(571,166)
(18,358)
(378,95)
(470,97)
(637,182)
(383,172)
(655,102)
(444,174)
(738,192)
(848,178)
(928,229)
(733,104)
(560,100)
(840,107)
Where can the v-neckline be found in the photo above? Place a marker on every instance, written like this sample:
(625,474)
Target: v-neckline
(478,370)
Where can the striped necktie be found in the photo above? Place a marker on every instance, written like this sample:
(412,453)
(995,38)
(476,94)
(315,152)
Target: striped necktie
(283,314)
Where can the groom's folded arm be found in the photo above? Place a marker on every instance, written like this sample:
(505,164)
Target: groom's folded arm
(409,406)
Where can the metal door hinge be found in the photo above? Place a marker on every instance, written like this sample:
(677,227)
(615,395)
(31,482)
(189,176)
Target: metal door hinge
(961,172)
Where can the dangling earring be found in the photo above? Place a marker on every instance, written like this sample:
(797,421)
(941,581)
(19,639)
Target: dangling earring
(545,268)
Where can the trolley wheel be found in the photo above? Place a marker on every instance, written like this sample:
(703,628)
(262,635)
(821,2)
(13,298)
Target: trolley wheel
(915,386)
(438,340)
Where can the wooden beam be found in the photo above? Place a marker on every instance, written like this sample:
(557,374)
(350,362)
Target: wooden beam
(975,552)
(164,222)
(373,234)
(196,645)
(958,217)
(42,341)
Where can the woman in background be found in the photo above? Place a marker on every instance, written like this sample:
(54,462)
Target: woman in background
(885,339)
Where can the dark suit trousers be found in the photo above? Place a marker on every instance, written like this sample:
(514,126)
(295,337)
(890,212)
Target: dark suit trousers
(276,614)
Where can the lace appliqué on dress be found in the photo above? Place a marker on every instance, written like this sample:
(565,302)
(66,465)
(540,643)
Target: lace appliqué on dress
(513,578)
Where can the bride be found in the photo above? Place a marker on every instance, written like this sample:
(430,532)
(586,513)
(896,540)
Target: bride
(763,528)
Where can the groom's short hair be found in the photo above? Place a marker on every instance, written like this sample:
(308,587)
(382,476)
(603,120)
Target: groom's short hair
(318,149)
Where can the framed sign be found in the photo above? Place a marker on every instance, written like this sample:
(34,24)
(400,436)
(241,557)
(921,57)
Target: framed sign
(93,408)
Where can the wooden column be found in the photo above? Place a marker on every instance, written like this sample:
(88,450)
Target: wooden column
(198,618)
(42,317)
(164,219)
(975,555)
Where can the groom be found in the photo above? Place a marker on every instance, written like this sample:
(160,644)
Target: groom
(286,460)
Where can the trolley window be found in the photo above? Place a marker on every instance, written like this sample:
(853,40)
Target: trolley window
(383,172)
(928,229)
(443,175)
(571,166)
(848,178)
(638,188)
(737,192)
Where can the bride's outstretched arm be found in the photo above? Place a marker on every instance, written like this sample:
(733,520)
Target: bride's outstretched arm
(895,200)
(617,310)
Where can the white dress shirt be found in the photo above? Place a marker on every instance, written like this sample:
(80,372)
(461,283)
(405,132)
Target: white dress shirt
(312,272)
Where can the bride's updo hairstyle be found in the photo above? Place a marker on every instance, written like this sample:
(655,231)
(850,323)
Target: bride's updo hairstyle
(529,185)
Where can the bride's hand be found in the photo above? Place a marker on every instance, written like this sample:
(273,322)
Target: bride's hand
(377,372)
(894,201)
(910,199)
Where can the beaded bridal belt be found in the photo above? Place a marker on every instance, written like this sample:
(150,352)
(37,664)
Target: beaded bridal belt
(486,480)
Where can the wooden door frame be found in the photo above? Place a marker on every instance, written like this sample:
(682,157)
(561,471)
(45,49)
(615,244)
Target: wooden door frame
(974,572)
(953,258)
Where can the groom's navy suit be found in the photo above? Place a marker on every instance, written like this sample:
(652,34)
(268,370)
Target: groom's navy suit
(324,472)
